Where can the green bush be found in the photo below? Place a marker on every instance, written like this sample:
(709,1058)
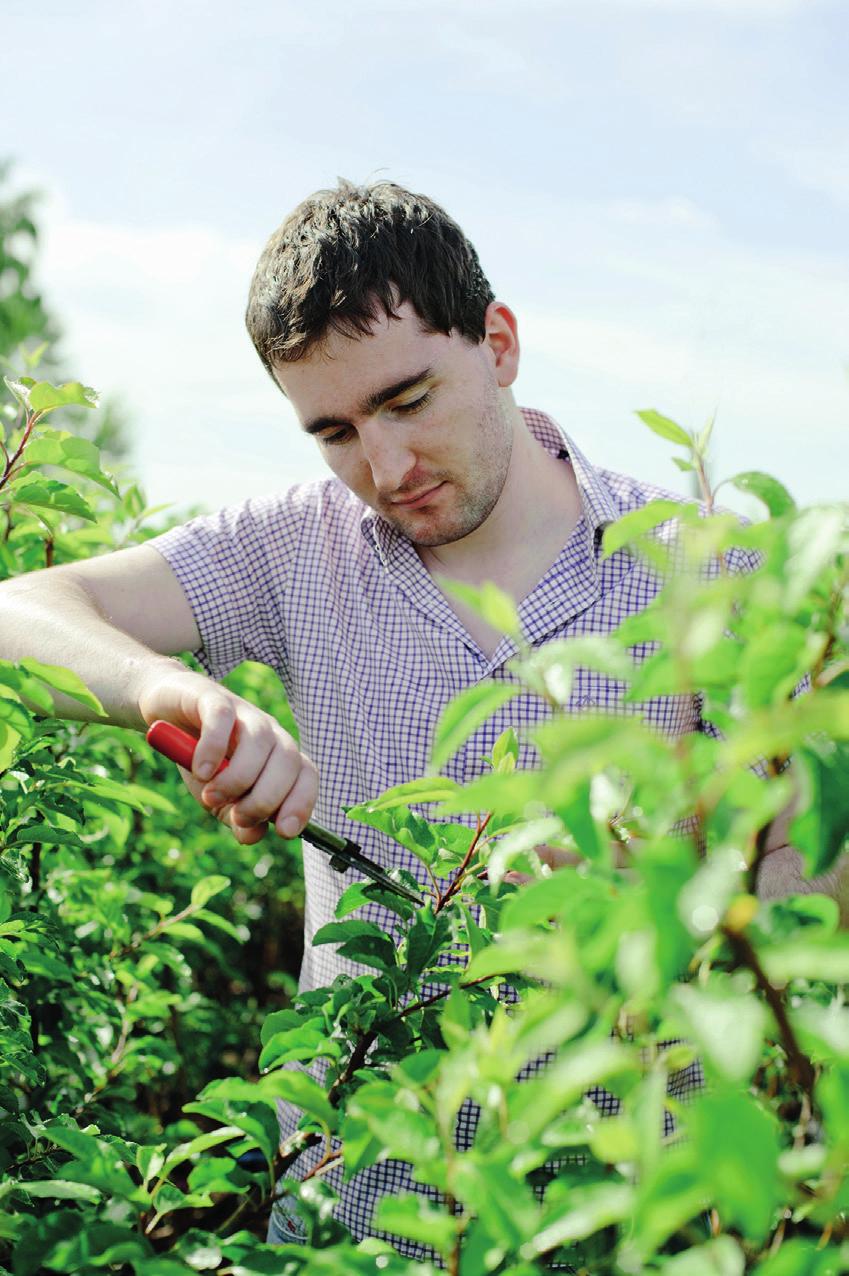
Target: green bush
(132,974)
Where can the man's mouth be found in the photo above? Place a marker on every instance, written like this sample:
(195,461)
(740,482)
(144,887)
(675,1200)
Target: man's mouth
(419,499)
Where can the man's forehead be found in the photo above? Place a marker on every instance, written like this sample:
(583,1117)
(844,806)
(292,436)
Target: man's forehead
(359,365)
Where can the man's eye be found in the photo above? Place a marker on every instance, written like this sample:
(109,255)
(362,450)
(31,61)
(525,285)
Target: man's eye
(340,436)
(416,406)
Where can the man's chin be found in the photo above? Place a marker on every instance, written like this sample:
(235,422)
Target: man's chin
(429,533)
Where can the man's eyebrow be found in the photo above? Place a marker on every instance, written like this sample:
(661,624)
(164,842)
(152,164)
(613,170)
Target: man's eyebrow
(371,402)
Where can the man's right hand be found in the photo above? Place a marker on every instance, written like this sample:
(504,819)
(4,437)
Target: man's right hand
(267,780)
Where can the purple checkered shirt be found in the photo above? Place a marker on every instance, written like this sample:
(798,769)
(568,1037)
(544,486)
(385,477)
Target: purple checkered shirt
(317,586)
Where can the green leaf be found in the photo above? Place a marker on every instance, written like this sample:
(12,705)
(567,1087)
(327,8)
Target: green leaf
(727,1026)
(704,435)
(706,895)
(465,713)
(767,489)
(821,827)
(798,1257)
(19,388)
(419,836)
(808,956)
(360,941)
(42,493)
(44,834)
(302,1090)
(301,1044)
(665,427)
(815,536)
(203,890)
(436,788)
(503,1203)
(202,1143)
(489,602)
(56,1189)
(505,752)
(773,662)
(590,1209)
(132,795)
(516,844)
(550,669)
(823,1031)
(405,1132)
(427,935)
(415,1218)
(96,1162)
(44,397)
(670,1196)
(230,1102)
(63,680)
(66,450)
(15,715)
(358,894)
(719,1257)
(735,1145)
(29,689)
(615,1140)
(634,525)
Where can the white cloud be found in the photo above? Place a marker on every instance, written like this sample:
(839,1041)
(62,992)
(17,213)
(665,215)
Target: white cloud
(675,212)
(155,318)
(817,165)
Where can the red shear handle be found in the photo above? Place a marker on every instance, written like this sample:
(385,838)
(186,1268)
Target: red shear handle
(176,744)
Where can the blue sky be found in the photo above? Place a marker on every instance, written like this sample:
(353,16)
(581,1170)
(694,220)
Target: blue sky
(658,188)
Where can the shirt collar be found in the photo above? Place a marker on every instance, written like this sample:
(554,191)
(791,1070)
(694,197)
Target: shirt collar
(596,501)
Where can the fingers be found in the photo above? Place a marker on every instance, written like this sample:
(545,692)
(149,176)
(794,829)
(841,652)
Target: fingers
(219,729)
(557,857)
(297,808)
(266,777)
(517,879)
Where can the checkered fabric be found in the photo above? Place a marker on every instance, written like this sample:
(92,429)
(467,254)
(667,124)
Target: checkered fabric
(314,584)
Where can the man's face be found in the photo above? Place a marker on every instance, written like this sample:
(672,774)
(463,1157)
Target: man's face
(412,422)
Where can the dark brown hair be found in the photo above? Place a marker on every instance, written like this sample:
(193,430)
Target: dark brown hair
(346,255)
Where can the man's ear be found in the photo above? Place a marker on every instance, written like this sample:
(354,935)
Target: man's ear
(501,338)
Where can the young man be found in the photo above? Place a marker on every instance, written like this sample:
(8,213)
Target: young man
(370,311)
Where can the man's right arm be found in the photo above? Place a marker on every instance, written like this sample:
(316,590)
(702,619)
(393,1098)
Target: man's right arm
(116,621)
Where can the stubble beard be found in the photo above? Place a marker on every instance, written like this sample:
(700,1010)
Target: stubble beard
(474,501)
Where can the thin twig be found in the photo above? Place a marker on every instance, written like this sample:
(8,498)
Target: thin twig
(457,881)
(801,1068)
(158,929)
(11,461)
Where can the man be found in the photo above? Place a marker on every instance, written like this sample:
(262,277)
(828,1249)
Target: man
(371,313)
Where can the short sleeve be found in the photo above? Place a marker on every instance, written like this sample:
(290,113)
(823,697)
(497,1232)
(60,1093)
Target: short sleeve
(234,568)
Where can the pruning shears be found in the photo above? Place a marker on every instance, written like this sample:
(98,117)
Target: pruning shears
(179,745)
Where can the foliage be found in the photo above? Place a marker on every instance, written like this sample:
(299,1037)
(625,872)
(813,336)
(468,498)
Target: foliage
(117,901)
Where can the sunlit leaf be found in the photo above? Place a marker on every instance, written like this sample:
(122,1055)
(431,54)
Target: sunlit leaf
(768,489)
(665,427)
(489,602)
(64,680)
(465,714)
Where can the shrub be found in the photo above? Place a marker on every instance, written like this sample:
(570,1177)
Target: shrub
(654,951)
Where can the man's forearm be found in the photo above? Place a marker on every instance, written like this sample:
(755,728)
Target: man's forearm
(58,623)
(781,873)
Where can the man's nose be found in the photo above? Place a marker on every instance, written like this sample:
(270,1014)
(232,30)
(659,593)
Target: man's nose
(389,456)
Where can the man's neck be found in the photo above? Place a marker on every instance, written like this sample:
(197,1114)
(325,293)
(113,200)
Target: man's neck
(531,522)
